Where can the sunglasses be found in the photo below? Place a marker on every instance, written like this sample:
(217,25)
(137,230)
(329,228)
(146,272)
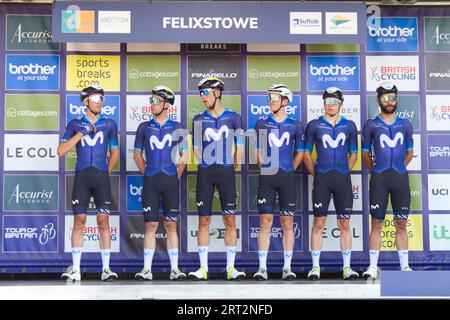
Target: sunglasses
(388,97)
(332,101)
(205,92)
(273,97)
(154,100)
(96,99)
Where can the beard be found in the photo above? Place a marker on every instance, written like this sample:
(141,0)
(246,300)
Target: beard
(385,109)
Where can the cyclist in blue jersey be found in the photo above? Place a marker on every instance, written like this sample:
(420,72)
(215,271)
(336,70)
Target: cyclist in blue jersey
(389,139)
(93,135)
(280,143)
(218,146)
(335,139)
(164,143)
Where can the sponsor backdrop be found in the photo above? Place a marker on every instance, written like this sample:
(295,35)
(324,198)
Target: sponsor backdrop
(39,87)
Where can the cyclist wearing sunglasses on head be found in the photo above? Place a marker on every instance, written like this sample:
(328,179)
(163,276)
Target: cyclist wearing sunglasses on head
(388,138)
(335,140)
(218,146)
(280,143)
(164,143)
(93,135)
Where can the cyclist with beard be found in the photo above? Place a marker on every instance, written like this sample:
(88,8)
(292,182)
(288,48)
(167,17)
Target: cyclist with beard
(389,139)
(218,145)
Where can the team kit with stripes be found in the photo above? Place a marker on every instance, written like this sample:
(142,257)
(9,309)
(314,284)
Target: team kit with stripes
(278,144)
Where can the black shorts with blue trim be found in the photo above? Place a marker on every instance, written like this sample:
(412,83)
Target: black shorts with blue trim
(332,183)
(161,187)
(395,184)
(270,185)
(91,182)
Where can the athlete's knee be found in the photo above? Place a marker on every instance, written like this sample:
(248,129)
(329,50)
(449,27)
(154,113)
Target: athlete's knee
(103,225)
(265,221)
(343,224)
(79,223)
(377,225)
(287,224)
(400,225)
(171,226)
(204,222)
(229,222)
(151,226)
(319,224)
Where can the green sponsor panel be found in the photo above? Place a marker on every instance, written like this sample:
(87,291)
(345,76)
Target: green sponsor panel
(415,183)
(30,112)
(437,34)
(333,47)
(196,106)
(71,160)
(253,194)
(146,72)
(263,71)
(191,189)
(29,32)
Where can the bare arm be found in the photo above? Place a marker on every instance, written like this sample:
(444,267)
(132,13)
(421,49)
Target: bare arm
(113,158)
(182,163)
(139,159)
(352,158)
(308,162)
(66,146)
(408,157)
(238,155)
(367,159)
(298,158)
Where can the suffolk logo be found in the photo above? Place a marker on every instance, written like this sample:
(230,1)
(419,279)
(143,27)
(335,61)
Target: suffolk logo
(92,141)
(384,139)
(273,140)
(327,140)
(154,142)
(211,134)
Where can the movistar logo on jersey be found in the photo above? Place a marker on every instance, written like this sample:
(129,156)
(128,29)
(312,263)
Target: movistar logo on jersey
(92,141)
(328,141)
(211,134)
(274,141)
(155,142)
(392,143)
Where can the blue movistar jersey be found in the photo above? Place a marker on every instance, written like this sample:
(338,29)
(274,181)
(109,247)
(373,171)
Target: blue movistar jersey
(215,137)
(390,143)
(159,142)
(277,142)
(333,143)
(92,149)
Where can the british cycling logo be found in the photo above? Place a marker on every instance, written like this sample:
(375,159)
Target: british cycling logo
(211,134)
(392,143)
(328,141)
(87,140)
(155,142)
(273,140)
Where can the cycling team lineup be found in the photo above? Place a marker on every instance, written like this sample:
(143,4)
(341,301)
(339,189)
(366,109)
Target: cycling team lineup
(278,145)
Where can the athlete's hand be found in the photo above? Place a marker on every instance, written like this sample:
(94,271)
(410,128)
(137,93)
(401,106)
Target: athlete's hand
(86,128)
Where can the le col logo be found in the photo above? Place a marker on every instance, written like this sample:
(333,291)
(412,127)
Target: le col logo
(31,152)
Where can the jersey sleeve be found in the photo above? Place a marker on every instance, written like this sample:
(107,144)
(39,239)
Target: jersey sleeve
(299,136)
(238,130)
(366,137)
(310,136)
(139,138)
(70,130)
(353,138)
(113,138)
(409,136)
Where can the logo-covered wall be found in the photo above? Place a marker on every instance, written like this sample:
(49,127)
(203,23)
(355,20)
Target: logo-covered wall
(40,96)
